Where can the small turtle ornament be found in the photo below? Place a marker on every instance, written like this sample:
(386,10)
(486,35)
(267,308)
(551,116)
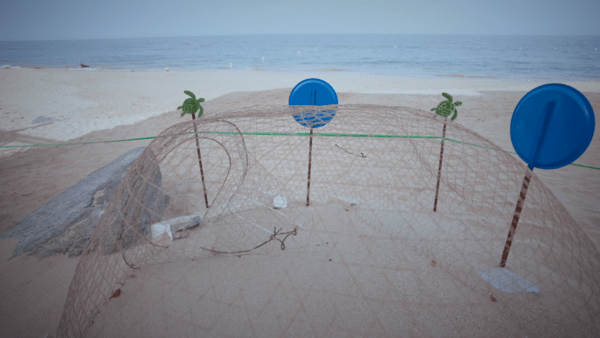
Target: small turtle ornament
(445,108)
(191,105)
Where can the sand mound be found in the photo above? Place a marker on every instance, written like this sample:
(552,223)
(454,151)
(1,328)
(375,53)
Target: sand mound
(358,251)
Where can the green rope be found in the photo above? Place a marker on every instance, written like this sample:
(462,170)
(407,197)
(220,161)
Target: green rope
(286,134)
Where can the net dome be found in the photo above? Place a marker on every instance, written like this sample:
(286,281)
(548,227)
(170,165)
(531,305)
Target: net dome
(368,255)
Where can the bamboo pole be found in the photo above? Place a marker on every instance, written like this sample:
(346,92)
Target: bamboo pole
(309,160)
(515,220)
(437,187)
(200,162)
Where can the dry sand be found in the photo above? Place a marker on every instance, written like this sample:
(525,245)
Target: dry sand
(103,106)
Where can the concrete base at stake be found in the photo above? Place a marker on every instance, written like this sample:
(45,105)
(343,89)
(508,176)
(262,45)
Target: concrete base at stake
(507,281)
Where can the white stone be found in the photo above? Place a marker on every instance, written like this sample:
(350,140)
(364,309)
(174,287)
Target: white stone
(279,202)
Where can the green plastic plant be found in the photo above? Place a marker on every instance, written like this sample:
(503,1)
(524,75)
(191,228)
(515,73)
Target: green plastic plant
(445,108)
(191,105)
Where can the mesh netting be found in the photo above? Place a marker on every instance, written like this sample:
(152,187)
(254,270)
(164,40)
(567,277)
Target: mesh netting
(357,250)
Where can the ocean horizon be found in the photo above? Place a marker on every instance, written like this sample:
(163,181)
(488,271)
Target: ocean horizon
(475,57)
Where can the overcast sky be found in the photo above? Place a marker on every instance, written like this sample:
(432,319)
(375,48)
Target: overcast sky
(103,19)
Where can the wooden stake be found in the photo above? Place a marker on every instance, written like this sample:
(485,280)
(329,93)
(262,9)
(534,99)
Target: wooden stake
(200,162)
(309,159)
(437,187)
(515,221)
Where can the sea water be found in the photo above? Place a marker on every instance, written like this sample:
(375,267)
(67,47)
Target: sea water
(481,57)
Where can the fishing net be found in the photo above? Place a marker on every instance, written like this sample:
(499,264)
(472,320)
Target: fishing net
(387,221)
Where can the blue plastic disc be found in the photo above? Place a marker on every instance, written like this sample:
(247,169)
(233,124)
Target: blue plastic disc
(552,126)
(313,92)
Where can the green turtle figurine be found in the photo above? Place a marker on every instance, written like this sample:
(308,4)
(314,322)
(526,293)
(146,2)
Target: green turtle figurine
(445,108)
(191,105)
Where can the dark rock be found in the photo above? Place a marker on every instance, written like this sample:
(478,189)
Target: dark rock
(128,216)
(66,223)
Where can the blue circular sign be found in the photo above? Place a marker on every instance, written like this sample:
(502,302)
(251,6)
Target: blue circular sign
(313,92)
(552,126)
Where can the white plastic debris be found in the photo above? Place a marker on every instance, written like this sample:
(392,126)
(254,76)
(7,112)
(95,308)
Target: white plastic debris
(175,225)
(279,202)
(159,228)
(345,202)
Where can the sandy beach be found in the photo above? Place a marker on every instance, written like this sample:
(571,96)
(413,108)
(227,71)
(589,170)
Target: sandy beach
(105,106)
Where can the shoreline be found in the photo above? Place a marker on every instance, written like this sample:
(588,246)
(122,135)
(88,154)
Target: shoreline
(342,72)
